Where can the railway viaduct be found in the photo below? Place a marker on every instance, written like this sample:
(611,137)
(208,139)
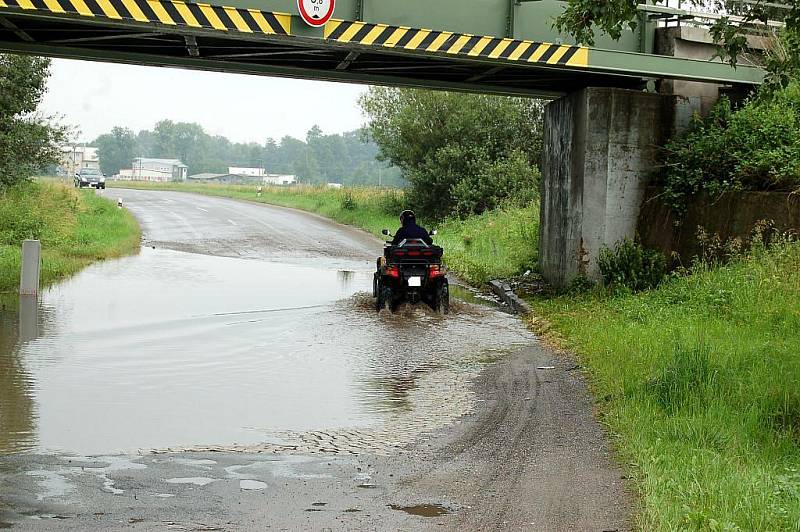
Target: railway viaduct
(612,105)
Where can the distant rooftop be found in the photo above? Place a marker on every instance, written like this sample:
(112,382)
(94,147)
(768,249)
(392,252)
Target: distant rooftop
(175,162)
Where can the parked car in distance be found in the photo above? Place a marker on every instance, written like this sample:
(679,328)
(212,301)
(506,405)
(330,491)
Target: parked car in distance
(90,177)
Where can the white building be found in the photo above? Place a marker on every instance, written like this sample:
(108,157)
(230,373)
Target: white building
(279,179)
(242,170)
(148,169)
(266,178)
(75,158)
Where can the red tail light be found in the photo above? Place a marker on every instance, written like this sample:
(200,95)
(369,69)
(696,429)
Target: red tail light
(392,271)
(434,270)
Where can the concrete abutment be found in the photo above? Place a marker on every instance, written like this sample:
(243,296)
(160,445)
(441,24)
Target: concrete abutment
(600,147)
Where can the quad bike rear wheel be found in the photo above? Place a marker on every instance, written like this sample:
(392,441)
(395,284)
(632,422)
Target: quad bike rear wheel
(442,300)
(385,299)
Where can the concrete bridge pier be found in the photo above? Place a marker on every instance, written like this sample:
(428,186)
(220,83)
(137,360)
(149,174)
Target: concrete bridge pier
(600,147)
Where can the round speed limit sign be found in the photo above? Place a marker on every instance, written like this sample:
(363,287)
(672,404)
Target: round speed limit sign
(315,12)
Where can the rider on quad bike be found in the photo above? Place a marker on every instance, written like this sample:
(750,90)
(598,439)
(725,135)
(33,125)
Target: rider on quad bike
(410,229)
(411,269)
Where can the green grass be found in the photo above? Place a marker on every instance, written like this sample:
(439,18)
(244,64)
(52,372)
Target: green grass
(699,381)
(496,244)
(74,227)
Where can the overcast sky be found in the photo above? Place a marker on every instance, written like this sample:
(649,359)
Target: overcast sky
(98,96)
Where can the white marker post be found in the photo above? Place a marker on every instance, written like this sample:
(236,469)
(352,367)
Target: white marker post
(119,203)
(31,262)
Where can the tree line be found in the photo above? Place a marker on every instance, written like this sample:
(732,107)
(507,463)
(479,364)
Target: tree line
(348,158)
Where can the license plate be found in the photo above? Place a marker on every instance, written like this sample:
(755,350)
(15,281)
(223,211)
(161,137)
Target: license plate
(415,281)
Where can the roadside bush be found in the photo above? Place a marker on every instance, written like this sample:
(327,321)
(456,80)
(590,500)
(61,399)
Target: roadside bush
(474,181)
(347,202)
(392,202)
(34,210)
(630,265)
(74,227)
(754,148)
(462,154)
(506,181)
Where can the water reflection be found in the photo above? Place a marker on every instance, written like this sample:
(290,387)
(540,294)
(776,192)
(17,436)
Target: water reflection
(17,412)
(170,349)
(345,278)
(28,318)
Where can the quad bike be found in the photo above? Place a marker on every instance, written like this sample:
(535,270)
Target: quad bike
(412,272)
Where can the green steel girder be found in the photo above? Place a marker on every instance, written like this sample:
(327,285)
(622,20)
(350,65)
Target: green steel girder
(471,49)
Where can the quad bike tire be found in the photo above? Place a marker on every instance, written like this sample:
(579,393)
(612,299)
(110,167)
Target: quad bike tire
(442,299)
(384,300)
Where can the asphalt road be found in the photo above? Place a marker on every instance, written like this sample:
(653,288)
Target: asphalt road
(462,423)
(230,228)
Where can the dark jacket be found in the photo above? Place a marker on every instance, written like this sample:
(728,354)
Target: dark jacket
(411,230)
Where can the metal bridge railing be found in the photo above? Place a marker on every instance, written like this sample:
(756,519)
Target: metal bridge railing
(671,13)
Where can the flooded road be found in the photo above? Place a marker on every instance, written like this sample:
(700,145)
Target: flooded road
(184,350)
(234,376)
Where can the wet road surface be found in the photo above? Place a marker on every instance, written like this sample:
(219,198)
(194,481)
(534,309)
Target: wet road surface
(234,375)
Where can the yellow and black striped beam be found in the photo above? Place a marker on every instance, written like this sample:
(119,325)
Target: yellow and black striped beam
(456,44)
(167,12)
(178,13)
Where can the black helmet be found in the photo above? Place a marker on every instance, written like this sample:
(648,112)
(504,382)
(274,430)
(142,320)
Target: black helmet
(407,215)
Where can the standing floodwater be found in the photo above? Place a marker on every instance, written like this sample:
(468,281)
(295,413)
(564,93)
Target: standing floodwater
(281,349)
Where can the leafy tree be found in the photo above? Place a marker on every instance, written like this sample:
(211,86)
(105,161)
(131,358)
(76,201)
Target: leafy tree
(28,140)
(181,140)
(462,153)
(116,150)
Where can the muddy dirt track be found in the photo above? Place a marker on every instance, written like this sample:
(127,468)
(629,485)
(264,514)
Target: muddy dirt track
(272,397)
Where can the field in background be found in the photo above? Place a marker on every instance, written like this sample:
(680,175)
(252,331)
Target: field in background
(75,228)
(699,381)
(497,244)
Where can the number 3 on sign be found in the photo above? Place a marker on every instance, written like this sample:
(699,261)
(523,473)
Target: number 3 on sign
(315,12)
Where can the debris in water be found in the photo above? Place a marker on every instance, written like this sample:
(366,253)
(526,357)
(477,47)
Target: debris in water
(422,510)
(197,481)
